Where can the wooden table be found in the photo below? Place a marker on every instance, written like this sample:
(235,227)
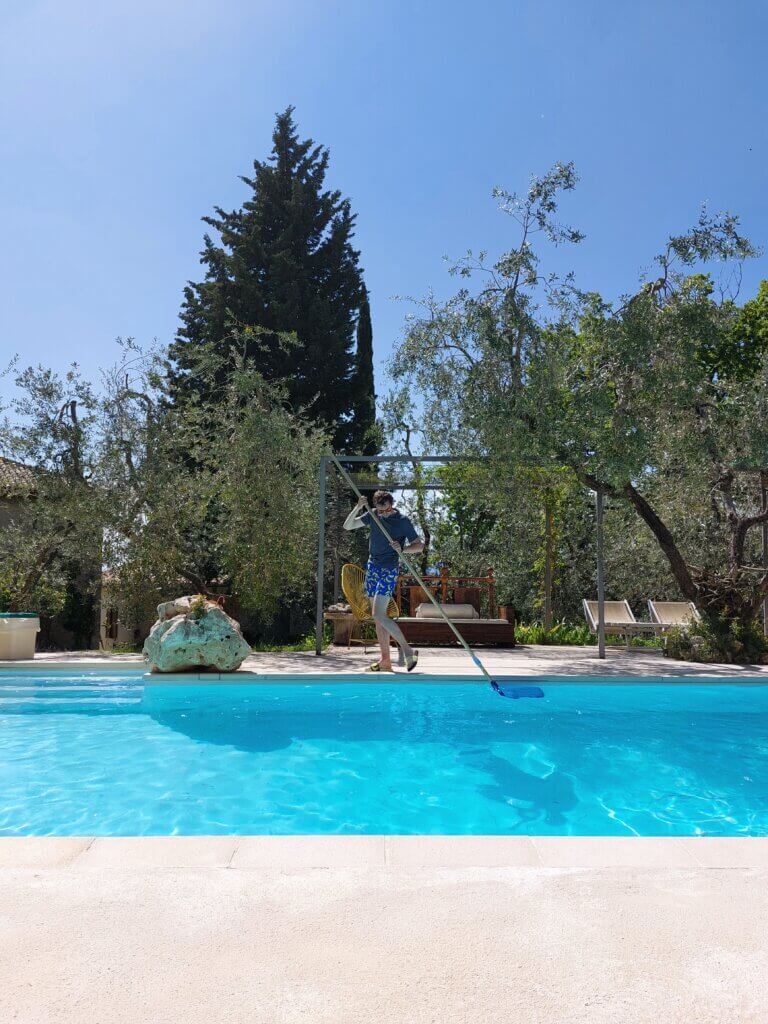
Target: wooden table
(342,626)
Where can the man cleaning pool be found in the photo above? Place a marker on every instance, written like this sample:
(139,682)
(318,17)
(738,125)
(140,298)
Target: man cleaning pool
(381,571)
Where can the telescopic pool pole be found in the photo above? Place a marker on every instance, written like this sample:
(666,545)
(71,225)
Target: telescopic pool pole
(414,572)
(600,575)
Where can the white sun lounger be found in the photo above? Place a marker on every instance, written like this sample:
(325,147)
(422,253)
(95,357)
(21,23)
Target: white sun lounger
(619,620)
(667,614)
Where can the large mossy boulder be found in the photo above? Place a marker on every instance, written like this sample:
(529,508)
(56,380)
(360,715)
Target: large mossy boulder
(194,633)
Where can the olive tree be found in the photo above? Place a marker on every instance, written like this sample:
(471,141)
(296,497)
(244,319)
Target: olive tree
(660,400)
(50,549)
(213,496)
(218,496)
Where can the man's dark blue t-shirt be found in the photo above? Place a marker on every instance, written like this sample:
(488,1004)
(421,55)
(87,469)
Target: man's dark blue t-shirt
(398,527)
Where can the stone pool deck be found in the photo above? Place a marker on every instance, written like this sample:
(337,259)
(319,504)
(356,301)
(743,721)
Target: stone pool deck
(383,930)
(523,660)
(388,930)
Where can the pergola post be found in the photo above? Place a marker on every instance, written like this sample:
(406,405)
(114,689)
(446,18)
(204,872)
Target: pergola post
(600,576)
(320,555)
(548,564)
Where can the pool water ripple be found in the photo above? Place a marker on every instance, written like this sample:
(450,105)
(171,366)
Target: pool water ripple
(101,755)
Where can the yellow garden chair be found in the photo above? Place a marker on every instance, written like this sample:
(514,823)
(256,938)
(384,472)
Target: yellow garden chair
(352,585)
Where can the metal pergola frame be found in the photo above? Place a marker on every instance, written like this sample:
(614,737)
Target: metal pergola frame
(327,460)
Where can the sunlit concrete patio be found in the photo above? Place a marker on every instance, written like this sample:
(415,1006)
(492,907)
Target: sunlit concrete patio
(396,930)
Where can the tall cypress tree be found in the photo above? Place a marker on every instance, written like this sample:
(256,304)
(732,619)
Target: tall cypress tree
(364,412)
(283,263)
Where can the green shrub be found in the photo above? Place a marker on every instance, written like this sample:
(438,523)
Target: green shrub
(561,633)
(722,640)
(126,647)
(306,643)
(564,634)
(197,607)
(48,597)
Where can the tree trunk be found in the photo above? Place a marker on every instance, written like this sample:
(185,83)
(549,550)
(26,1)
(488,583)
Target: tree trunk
(663,535)
(728,602)
(549,558)
(424,556)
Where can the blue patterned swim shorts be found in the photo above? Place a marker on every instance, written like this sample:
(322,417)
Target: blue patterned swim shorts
(379,579)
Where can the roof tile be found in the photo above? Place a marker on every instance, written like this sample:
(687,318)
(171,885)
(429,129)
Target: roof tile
(16,479)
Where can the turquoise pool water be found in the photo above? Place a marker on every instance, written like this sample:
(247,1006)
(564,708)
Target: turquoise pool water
(106,756)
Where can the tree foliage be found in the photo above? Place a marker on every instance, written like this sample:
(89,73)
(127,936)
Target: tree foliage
(659,400)
(284,263)
(363,386)
(235,515)
(50,551)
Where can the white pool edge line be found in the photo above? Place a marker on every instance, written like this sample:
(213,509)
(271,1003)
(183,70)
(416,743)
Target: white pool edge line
(252,677)
(387,853)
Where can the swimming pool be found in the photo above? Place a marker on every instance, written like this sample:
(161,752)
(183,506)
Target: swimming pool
(105,755)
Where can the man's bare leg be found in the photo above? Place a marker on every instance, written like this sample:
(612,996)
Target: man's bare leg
(385,662)
(379,605)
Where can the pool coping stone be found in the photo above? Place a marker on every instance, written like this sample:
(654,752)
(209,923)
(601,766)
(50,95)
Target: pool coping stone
(524,662)
(249,677)
(389,853)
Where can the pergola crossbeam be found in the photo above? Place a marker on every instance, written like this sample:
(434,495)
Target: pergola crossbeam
(409,485)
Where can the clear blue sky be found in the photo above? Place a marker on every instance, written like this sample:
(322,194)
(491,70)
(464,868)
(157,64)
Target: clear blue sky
(123,122)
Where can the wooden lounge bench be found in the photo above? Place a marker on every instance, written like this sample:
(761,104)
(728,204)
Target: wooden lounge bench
(476,631)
